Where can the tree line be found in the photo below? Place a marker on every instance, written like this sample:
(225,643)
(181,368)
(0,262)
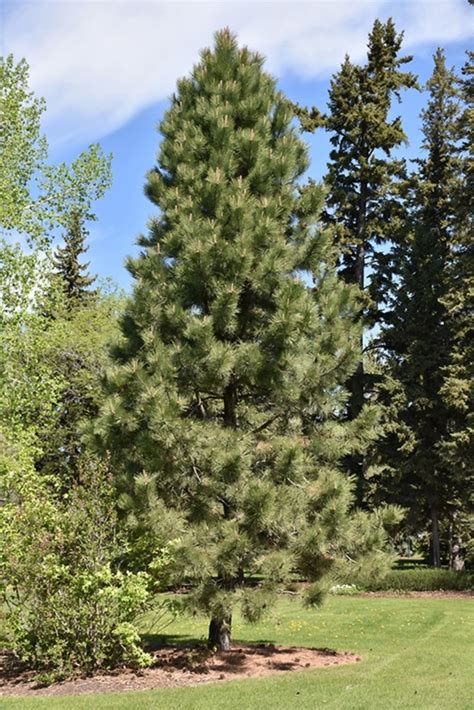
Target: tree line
(287,389)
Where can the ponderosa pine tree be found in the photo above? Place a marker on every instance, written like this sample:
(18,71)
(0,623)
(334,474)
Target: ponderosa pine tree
(74,280)
(223,401)
(427,328)
(362,201)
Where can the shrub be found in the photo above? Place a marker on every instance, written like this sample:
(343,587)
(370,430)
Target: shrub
(422,579)
(69,608)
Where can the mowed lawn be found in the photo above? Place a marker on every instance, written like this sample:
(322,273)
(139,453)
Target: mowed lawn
(417,653)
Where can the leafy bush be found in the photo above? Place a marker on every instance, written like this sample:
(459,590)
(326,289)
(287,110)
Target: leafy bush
(69,608)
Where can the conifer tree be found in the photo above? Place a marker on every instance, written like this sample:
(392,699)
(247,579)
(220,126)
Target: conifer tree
(75,282)
(71,311)
(223,399)
(361,170)
(457,390)
(362,202)
(428,324)
(77,323)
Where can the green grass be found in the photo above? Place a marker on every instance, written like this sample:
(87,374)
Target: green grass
(417,653)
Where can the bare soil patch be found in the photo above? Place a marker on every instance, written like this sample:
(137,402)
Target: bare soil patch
(178,666)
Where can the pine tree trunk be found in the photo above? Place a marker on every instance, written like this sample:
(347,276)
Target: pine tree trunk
(356,402)
(219,633)
(450,544)
(230,420)
(435,546)
(230,405)
(356,382)
(359,266)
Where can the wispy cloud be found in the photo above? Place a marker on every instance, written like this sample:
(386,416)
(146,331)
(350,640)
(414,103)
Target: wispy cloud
(99,63)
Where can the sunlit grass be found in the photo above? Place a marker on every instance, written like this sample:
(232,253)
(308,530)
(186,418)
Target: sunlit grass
(417,653)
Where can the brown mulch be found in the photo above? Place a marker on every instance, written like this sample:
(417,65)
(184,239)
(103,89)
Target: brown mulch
(177,666)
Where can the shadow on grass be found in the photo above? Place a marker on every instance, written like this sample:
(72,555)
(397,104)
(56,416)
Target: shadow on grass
(153,642)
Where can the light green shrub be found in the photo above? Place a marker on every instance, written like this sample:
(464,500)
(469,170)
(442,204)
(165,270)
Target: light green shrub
(69,608)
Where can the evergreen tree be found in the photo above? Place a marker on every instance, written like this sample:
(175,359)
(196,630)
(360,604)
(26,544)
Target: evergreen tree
(427,331)
(74,279)
(457,391)
(362,201)
(75,323)
(223,400)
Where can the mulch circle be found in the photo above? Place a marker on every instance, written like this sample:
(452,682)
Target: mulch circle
(177,666)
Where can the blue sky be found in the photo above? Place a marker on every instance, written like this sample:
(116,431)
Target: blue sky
(107,68)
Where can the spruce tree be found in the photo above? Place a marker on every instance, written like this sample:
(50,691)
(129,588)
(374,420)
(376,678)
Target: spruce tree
(223,400)
(362,201)
(427,328)
(362,170)
(77,322)
(74,280)
(457,391)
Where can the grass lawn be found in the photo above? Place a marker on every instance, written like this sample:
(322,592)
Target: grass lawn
(417,653)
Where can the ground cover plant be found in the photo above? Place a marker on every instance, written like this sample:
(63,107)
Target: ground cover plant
(415,654)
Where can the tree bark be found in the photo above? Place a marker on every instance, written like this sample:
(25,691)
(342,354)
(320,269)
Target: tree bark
(435,546)
(357,381)
(359,266)
(219,633)
(220,629)
(450,545)
(230,405)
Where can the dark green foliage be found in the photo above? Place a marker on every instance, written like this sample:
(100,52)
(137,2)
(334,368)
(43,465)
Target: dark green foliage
(458,387)
(362,204)
(224,400)
(74,279)
(361,197)
(428,330)
(361,173)
(417,580)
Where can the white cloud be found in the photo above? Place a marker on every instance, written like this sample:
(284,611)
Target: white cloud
(99,63)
